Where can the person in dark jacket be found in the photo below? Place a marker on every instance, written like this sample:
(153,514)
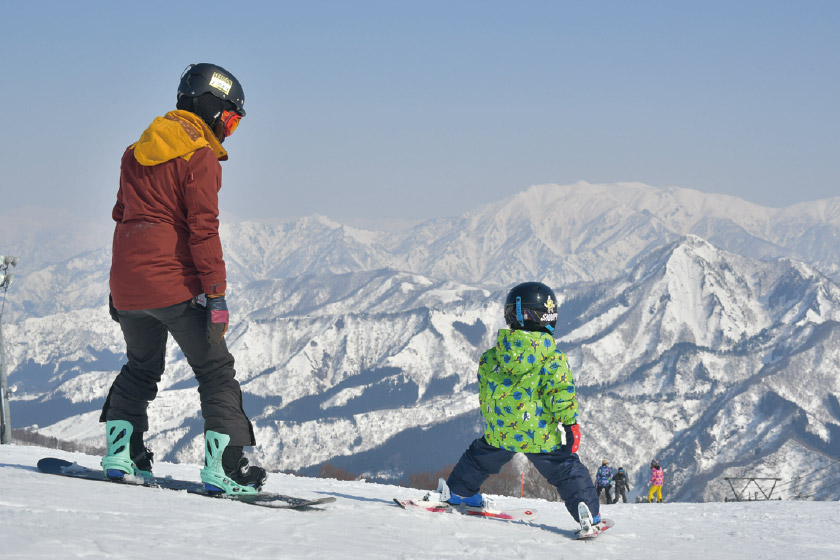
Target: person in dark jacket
(622,485)
(168,278)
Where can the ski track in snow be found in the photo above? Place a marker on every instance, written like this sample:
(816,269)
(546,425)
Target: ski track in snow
(51,517)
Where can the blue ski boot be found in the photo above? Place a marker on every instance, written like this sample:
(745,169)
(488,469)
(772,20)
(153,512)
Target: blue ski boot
(126,454)
(226,469)
(443,494)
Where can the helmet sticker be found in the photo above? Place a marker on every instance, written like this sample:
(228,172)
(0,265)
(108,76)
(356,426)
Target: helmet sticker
(221,83)
(552,314)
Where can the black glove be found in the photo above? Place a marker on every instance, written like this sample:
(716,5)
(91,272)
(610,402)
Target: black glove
(217,318)
(113,310)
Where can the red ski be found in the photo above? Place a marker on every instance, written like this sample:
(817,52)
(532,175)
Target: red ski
(523,515)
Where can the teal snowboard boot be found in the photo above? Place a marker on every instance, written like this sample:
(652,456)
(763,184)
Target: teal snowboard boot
(226,470)
(126,454)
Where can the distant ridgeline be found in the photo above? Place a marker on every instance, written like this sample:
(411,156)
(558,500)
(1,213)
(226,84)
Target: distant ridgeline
(702,330)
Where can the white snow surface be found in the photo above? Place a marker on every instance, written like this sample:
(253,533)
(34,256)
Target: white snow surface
(49,517)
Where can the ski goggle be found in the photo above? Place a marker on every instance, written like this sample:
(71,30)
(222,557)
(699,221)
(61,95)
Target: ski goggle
(230,119)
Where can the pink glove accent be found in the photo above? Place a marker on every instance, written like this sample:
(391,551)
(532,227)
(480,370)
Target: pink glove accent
(219,315)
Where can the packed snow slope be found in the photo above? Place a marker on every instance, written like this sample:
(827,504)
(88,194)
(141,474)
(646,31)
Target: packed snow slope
(47,517)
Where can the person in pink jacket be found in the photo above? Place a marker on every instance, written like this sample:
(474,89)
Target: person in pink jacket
(657,477)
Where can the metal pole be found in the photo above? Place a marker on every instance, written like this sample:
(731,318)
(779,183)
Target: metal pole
(6,418)
(5,413)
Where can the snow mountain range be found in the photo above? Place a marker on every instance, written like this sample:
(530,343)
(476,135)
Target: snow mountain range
(703,330)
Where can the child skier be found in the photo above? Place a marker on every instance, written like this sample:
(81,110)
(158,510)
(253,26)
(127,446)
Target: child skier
(621,485)
(657,477)
(528,401)
(603,480)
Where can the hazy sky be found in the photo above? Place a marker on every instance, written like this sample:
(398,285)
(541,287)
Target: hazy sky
(419,109)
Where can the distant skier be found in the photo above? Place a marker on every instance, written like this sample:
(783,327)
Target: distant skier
(528,400)
(603,480)
(621,485)
(657,477)
(168,278)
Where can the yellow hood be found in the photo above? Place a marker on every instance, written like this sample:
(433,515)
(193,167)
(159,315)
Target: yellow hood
(176,134)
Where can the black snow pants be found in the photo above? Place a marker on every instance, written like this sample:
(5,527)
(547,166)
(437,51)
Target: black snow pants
(561,468)
(620,492)
(136,385)
(607,492)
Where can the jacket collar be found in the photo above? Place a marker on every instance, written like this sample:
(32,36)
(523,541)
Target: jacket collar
(176,134)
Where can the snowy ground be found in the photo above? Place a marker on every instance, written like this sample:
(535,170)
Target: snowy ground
(51,517)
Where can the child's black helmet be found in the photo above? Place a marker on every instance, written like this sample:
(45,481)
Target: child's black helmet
(198,79)
(531,306)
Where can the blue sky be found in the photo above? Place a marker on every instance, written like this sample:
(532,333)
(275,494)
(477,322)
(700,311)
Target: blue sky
(412,110)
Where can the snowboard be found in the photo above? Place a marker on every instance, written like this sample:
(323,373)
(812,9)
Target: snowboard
(523,515)
(51,465)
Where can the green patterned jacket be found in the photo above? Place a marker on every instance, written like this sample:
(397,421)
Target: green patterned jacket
(526,391)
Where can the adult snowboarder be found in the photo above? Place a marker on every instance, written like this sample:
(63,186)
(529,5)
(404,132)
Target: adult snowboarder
(529,404)
(603,480)
(168,278)
(622,485)
(657,478)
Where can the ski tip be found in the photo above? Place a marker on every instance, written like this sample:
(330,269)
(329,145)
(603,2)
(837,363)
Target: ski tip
(399,503)
(523,515)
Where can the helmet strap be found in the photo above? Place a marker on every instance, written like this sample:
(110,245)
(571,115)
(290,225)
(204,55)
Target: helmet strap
(519,316)
(218,129)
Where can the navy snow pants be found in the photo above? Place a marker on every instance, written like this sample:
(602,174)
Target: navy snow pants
(561,468)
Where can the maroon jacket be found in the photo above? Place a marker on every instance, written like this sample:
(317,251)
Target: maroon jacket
(166,242)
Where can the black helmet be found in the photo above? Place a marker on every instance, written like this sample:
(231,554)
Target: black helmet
(654,464)
(209,78)
(531,306)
